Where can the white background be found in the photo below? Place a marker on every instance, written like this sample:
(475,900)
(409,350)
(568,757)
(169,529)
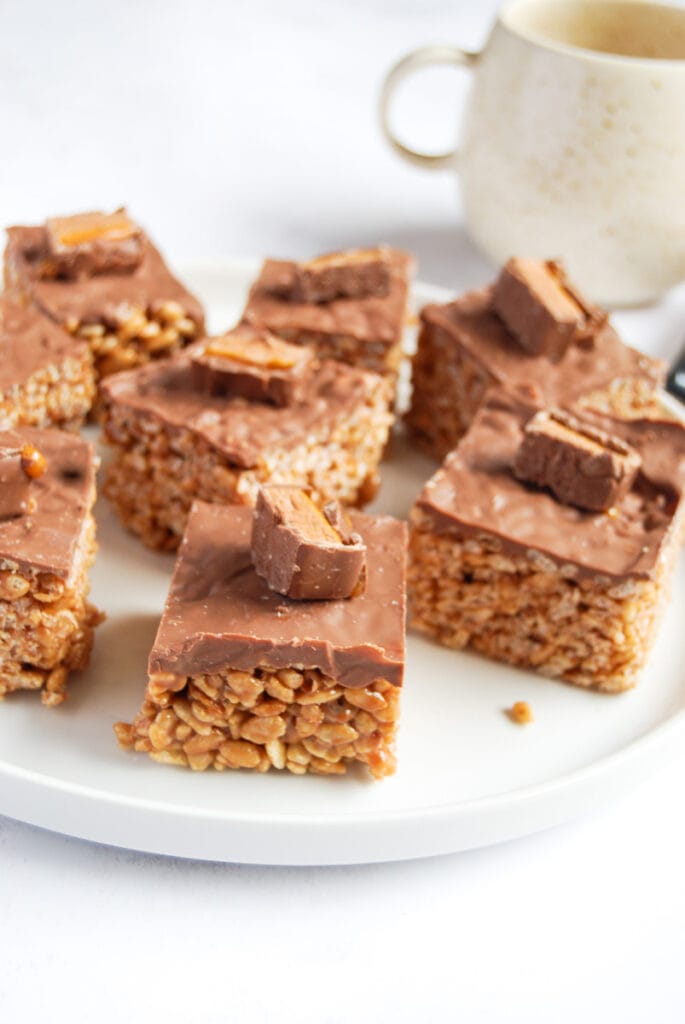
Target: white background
(240,129)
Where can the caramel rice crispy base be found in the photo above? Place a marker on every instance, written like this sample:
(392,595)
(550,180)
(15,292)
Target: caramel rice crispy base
(58,395)
(46,625)
(158,470)
(294,719)
(529,611)
(449,386)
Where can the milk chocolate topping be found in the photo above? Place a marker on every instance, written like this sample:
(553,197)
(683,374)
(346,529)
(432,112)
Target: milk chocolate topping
(586,365)
(46,537)
(475,492)
(29,342)
(241,431)
(220,614)
(104,296)
(372,318)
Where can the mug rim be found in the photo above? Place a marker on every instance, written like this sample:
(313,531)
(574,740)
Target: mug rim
(569,49)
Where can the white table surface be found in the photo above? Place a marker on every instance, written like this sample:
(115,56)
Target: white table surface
(246,128)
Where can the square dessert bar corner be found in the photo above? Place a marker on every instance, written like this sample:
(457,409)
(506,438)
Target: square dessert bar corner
(351,305)
(100,277)
(530,327)
(47,544)
(241,676)
(229,414)
(46,376)
(549,541)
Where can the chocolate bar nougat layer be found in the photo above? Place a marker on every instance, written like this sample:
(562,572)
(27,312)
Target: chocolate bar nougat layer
(129,311)
(47,544)
(506,568)
(362,330)
(242,677)
(176,439)
(46,376)
(464,348)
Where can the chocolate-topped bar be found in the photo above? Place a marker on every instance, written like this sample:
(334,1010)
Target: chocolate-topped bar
(241,676)
(46,376)
(522,572)
(350,305)
(531,327)
(215,422)
(99,276)
(47,544)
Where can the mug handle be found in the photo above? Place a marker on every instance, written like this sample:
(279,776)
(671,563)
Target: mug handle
(425,57)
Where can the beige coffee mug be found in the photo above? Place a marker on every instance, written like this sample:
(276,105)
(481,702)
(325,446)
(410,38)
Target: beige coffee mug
(573,141)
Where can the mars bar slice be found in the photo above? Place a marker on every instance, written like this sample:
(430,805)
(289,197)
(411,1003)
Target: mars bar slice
(350,306)
(100,277)
(580,465)
(47,544)
(300,550)
(92,243)
(243,677)
(509,570)
(175,439)
(534,300)
(251,363)
(46,376)
(465,348)
(352,274)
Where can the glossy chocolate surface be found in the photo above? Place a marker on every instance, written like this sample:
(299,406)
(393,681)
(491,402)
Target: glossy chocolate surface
(29,342)
(221,614)
(475,492)
(46,538)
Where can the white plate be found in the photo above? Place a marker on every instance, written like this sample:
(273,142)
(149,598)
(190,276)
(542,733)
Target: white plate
(467,776)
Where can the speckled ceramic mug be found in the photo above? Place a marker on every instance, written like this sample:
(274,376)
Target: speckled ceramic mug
(573,141)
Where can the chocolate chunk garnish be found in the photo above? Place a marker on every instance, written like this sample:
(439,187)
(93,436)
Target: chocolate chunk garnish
(351,274)
(18,467)
(580,465)
(250,362)
(87,244)
(279,277)
(299,551)
(541,309)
